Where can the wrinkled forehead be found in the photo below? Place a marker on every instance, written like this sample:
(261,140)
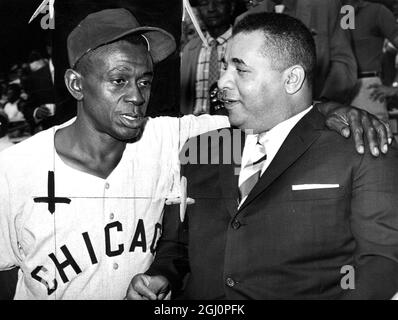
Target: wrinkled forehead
(123,52)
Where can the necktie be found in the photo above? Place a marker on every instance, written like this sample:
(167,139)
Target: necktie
(214,70)
(254,169)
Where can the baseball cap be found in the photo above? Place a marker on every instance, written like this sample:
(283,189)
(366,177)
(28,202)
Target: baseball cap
(106,26)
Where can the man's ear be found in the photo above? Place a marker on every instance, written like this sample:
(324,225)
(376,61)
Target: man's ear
(74,83)
(294,79)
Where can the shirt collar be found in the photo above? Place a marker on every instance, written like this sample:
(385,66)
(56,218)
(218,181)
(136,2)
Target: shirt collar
(282,130)
(272,141)
(221,39)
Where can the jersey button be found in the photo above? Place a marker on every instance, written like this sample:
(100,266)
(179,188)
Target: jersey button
(111,216)
(107,185)
(115,266)
(230,282)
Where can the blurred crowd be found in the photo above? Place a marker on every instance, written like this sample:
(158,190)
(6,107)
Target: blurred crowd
(27,98)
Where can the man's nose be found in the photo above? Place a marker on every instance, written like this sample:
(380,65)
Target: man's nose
(225,81)
(135,96)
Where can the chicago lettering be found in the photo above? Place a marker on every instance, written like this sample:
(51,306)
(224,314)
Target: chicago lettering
(138,244)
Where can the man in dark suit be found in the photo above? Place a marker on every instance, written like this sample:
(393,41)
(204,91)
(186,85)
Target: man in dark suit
(313,219)
(39,86)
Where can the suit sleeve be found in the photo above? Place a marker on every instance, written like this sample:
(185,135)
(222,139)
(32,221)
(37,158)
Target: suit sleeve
(374,224)
(342,75)
(171,259)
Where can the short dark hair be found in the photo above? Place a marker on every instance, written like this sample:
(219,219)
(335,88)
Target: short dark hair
(84,64)
(287,41)
(3,124)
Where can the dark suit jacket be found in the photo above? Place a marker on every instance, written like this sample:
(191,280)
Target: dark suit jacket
(336,71)
(40,88)
(285,244)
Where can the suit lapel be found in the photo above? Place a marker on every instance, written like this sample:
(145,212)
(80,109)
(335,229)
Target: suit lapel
(303,135)
(228,178)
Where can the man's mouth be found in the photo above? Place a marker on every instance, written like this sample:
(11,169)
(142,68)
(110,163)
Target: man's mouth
(228,102)
(132,120)
(132,117)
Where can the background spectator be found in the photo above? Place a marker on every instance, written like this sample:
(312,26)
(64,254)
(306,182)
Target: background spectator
(39,86)
(373,24)
(201,63)
(5,141)
(12,107)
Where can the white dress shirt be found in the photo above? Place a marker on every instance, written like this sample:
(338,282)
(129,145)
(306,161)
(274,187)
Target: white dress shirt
(272,140)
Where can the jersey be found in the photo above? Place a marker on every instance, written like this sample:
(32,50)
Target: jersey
(77,236)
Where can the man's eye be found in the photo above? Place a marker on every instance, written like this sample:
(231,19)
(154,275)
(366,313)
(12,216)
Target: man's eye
(119,81)
(144,83)
(241,71)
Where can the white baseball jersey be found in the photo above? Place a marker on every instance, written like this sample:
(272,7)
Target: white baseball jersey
(103,231)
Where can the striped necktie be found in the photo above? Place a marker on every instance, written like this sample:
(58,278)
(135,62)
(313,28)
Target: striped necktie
(214,70)
(253,168)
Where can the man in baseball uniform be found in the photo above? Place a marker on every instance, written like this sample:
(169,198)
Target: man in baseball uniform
(81,204)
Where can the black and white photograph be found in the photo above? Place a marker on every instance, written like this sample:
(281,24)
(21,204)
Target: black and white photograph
(204,153)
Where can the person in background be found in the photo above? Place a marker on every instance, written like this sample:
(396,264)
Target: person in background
(39,85)
(201,63)
(12,107)
(5,141)
(381,92)
(188,31)
(373,24)
(3,90)
(14,74)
